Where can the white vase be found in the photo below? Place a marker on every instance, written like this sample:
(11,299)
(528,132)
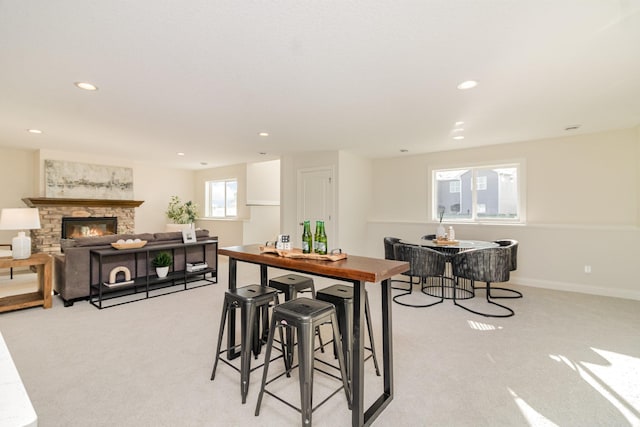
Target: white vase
(162,271)
(440,232)
(178,227)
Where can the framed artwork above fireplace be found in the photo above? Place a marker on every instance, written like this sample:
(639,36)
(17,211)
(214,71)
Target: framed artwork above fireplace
(84,180)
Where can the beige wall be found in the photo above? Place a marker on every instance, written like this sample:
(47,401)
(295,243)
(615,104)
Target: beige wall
(354,202)
(154,185)
(254,224)
(582,208)
(583,203)
(17,175)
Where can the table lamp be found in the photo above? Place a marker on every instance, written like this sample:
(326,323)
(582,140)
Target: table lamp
(20,219)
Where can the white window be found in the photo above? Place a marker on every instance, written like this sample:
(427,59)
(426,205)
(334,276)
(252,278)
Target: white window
(481,183)
(222,198)
(485,193)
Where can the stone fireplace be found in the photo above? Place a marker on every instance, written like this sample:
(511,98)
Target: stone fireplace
(53,210)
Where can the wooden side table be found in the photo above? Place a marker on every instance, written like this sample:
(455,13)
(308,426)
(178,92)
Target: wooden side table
(43,263)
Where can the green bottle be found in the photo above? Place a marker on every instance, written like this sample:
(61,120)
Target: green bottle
(315,237)
(307,240)
(322,240)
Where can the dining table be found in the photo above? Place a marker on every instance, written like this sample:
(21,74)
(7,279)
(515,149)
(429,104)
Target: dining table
(458,287)
(357,270)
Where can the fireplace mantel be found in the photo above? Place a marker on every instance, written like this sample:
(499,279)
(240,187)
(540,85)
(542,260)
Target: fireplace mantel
(34,202)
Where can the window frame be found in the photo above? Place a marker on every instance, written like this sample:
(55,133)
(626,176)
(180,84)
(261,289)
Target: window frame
(207,197)
(432,205)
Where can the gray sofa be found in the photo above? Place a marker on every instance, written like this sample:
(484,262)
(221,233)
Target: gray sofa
(72,267)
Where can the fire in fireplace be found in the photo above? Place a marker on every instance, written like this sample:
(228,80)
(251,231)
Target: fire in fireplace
(73,227)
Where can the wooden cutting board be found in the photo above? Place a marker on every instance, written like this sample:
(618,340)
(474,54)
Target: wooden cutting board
(297,253)
(445,242)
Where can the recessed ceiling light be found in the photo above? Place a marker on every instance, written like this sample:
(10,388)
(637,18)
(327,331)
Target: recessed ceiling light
(572,127)
(204,163)
(86,86)
(404,150)
(458,137)
(458,123)
(36,131)
(458,130)
(180,154)
(264,134)
(262,153)
(467,84)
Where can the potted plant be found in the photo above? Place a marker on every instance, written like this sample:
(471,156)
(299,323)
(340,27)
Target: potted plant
(182,213)
(162,261)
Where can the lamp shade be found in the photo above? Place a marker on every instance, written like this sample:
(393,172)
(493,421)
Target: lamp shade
(19,219)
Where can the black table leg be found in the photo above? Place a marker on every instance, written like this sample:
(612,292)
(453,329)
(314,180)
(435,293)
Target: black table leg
(231,329)
(357,361)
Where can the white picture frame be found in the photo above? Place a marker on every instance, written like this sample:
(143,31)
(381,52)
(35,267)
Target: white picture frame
(188,235)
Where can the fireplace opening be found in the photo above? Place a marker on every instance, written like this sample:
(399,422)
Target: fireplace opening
(88,227)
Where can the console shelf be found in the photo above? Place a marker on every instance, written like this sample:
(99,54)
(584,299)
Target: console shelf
(147,284)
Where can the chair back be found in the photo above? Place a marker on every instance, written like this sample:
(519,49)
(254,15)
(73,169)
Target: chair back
(513,246)
(423,262)
(483,265)
(388,247)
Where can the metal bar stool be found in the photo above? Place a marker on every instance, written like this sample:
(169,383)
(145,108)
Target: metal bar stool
(249,299)
(342,297)
(289,285)
(305,315)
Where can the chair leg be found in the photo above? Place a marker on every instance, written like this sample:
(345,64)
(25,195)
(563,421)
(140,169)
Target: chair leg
(410,282)
(395,298)
(267,360)
(343,370)
(222,323)
(488,297)
(305,356)
(514,293)
(313,293)
(248,330)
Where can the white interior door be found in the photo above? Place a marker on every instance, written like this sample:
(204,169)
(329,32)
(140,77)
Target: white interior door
(316,202)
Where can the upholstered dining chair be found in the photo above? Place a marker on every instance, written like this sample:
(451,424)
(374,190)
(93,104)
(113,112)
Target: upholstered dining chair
(513,246)
(491,265)
(424,263)
(389,254)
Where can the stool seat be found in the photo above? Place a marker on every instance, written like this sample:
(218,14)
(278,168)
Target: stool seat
(304,310)
(248,299)
(305,315)
(291,284)
(251,293)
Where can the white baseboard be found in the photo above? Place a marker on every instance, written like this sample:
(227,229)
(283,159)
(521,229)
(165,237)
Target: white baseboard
(575,287)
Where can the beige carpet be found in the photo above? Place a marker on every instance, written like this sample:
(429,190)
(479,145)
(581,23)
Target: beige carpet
(565,359)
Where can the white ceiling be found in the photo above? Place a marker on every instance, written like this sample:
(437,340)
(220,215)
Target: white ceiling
(370,76)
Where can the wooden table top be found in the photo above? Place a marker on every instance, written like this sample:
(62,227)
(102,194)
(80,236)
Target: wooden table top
(34,259)
(353,267)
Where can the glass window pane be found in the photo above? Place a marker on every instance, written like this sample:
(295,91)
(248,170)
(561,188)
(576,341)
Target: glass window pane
(216,200)
(500,195)
(476,194)
(453,194)
(232,198)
